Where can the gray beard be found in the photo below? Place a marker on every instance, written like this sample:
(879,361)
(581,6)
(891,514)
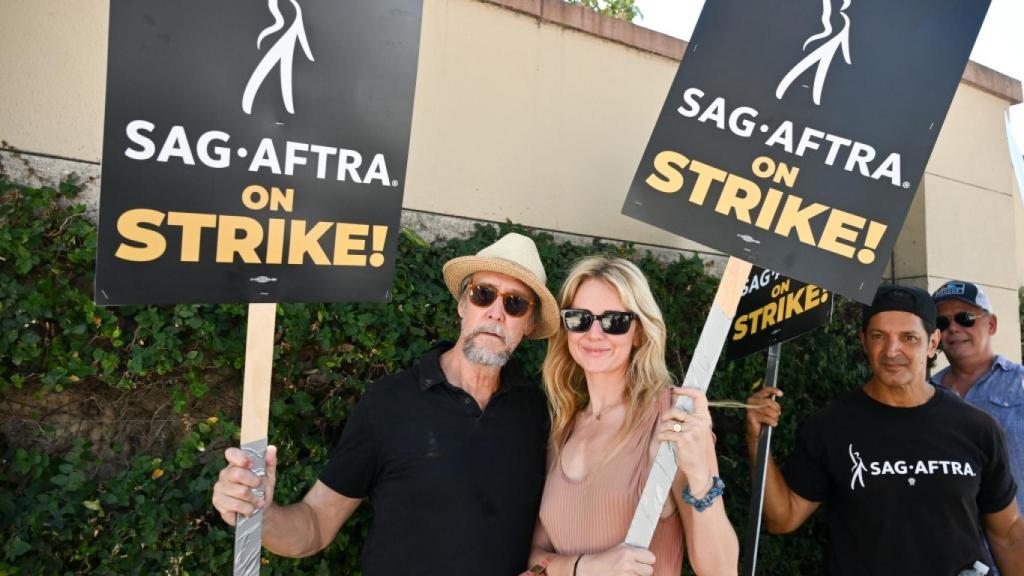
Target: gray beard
(482,356)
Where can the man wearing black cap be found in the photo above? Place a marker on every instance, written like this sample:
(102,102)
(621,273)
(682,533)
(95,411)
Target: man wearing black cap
(976,373)
(909,472)
(451,452)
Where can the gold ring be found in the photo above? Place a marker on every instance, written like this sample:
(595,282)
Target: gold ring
(677,427)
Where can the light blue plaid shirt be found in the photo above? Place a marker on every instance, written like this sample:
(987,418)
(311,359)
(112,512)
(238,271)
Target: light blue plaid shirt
(1000,392)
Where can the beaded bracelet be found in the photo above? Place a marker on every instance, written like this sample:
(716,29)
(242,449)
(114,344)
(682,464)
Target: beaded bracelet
(701,504)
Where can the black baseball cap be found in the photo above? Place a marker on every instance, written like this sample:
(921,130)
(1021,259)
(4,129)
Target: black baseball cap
(897,298)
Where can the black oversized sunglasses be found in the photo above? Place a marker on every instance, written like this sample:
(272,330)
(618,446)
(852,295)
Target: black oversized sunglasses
(965,319)
(483,295)
(614,323)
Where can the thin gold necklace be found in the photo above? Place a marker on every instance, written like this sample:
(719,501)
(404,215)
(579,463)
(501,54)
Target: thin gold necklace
(598,415)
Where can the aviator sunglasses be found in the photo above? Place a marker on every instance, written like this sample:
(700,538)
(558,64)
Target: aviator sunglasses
(614,323)
(483,295)
(965,319)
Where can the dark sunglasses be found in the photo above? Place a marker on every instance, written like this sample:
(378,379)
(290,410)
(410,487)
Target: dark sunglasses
(965,319)
(483,295)
(614,323)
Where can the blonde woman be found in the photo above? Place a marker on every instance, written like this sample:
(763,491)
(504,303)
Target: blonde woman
(610,397)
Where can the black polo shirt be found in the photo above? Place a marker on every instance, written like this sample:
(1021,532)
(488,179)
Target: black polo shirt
(455,490)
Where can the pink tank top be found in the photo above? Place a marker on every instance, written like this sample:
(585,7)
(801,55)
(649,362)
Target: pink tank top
(590,515)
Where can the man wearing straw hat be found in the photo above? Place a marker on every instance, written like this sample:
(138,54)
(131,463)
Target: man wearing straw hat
(451,451)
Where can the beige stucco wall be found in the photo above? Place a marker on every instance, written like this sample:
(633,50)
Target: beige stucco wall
(970,206)
(53,61)
(538,122)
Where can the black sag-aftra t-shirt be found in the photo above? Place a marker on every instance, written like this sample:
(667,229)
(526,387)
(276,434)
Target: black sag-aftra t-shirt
(454,490)
(904,488)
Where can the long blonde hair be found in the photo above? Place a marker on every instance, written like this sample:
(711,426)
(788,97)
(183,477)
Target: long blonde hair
(647,373)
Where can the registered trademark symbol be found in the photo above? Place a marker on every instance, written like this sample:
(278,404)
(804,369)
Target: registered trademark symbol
(394,182)
(906,184)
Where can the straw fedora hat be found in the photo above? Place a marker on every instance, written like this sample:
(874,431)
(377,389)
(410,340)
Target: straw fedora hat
(513,255)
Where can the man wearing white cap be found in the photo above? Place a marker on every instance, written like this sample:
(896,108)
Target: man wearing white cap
(976,373)
(451,451)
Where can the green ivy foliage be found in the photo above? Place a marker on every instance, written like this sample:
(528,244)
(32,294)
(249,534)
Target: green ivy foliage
(67,513)
(622,9)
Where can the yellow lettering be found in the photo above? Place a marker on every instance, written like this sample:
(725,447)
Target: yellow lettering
(192,224)
(812,299)
(279,200)
(129,227)
(303,243)
(732,199)
(254,197)
(344,244)
(230,243)
(768,314)
(740,326)
(793,306)
(275,241)
(668,165)
(768,209)
(836,229)
(706,174)
(795,217)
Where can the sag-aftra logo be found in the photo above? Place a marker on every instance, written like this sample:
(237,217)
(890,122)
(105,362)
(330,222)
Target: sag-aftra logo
(908,468)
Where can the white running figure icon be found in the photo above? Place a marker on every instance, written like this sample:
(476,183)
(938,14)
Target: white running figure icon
(282,52)
(857,470)
(823,55)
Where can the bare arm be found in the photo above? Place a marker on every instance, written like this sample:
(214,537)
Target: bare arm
(711,542)
(298,530)
(784,509)
(309,526)
(1004,531)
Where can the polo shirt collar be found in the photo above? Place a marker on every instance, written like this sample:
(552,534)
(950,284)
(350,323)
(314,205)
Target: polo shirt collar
(1004,363)
(999,361)
(430,373)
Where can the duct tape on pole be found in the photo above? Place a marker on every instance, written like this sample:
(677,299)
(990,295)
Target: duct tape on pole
(259,359)
(698,376)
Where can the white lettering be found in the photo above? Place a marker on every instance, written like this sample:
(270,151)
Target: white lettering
(322,153)
(807,141)
(691,107)
(378,171)
(176,145)
(265,157)
(860,155)
(222,155)
(889,167)
(292,158)
(783,135)
(133,131)
(348,161)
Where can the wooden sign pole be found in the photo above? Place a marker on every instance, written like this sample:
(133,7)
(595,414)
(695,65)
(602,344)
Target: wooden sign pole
(698,375)
(259,365)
